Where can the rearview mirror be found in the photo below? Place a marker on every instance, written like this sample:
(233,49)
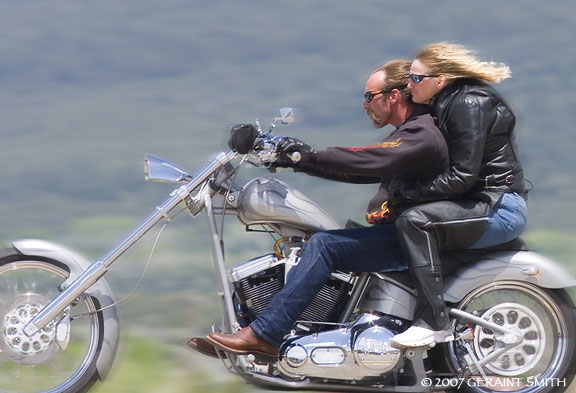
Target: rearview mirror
(158,169)
(287,115)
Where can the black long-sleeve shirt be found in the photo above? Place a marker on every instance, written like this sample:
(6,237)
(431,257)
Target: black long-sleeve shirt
(415,150)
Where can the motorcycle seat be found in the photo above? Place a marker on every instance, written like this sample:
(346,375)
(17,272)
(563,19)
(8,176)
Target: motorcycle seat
(454,258)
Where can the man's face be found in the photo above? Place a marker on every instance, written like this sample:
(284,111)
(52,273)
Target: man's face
(379,109)
(423,91)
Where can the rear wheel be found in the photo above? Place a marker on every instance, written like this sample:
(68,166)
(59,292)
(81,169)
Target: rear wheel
(62,356)
(544,359)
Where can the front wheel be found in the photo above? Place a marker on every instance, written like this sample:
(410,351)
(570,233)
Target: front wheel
(62,356)
(542,362)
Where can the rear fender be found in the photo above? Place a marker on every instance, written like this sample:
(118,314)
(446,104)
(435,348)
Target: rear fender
(523,266)
(76,264)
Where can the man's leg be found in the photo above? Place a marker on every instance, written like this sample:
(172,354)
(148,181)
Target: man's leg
(358,249)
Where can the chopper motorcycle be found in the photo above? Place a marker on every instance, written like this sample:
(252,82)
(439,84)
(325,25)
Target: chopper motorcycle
(513,320)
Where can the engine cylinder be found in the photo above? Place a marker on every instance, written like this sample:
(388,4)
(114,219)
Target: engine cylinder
(258,280)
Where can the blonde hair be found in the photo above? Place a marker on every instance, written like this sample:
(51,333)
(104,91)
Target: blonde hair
(455,61)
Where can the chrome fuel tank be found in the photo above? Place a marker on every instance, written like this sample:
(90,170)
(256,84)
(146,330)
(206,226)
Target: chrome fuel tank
(267,200)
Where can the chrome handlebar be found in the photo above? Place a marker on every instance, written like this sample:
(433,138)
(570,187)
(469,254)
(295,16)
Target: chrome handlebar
(265,150)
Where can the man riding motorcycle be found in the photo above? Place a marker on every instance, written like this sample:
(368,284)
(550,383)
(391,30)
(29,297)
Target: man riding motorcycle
(415,150)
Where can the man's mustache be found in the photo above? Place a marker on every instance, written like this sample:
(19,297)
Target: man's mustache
(372,115)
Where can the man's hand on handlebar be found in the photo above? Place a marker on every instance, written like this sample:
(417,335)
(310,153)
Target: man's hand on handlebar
(292,152)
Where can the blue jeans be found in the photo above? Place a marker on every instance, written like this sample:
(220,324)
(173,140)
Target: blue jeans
(506,221)
(369,249)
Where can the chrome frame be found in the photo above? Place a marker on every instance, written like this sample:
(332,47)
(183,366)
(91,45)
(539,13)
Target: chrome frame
(229,316)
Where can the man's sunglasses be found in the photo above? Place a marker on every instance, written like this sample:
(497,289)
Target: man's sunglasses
(369,95)
(419,78)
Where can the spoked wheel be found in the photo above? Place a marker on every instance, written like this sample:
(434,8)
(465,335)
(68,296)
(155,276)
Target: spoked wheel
(543,361)
(62,356)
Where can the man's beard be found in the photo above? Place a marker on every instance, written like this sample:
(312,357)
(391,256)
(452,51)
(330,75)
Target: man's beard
(375,119)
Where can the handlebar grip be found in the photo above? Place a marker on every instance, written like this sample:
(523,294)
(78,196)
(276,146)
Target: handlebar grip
(295,157)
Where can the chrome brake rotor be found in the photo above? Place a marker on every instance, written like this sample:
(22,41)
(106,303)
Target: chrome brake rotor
(16,345)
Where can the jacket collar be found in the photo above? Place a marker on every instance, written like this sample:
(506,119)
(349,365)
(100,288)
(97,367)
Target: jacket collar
(452,89)
(419,110)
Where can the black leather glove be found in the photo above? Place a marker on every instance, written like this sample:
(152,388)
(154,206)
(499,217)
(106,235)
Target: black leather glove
(292,152)
(242,137)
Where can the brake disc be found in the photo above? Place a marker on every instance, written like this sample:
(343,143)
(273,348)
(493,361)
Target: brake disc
(17,346)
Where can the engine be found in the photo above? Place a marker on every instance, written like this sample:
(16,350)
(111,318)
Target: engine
(258,280)
(359,352)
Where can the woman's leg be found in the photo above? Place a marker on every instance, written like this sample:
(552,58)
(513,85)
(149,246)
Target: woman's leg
(425,232)
(506,221)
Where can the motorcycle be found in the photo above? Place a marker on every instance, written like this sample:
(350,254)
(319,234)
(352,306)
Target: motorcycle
(512,317)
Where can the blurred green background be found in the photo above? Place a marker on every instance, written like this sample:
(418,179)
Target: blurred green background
(87,88)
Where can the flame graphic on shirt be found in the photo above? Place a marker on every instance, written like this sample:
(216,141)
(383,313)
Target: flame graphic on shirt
(384,145)
(377,217)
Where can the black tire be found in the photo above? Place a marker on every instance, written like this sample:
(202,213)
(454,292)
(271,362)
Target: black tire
(545,360)
(45,362)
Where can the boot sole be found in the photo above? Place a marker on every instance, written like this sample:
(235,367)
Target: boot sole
(207,350)
(432,344)
(240,351)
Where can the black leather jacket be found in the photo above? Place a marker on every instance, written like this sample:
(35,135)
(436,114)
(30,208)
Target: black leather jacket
(479,127)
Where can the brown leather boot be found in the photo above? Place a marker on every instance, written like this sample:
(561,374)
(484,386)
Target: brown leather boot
(200,344)
(242,342)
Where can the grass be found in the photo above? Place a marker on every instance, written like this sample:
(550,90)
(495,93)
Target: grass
(146,365)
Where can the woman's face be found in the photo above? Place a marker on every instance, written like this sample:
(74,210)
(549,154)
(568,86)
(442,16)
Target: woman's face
(428,85)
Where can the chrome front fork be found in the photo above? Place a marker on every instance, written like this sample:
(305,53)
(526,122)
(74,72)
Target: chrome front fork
(71,291)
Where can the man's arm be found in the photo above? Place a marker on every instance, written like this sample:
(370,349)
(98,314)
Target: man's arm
(412,153)
(336,176)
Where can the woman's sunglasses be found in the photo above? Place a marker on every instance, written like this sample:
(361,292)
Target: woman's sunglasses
(419,78)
